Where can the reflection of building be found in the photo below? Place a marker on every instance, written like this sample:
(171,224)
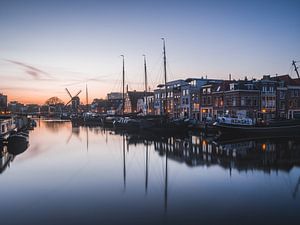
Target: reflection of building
(266,155)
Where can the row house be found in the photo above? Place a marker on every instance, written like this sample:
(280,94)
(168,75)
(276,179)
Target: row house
(235,98)
(288,97)
(194,87)
(267,101)
(183,98)
(174,101)
(201,99)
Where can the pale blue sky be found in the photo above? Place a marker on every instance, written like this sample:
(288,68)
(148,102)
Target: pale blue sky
(74,41)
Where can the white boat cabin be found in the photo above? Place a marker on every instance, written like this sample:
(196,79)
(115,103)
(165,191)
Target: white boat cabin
(235,121)
(6,125)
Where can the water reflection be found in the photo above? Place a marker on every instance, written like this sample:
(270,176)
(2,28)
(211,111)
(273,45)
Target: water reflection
(92,174)
(8,153)
(260,154)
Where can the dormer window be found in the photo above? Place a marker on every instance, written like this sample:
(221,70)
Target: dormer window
(231,86)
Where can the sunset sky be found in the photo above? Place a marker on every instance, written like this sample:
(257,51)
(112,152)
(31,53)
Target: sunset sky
(46,46)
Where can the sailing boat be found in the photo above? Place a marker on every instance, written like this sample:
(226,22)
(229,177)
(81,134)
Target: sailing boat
(163,123)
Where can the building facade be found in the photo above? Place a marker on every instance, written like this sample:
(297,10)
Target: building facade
(3,103)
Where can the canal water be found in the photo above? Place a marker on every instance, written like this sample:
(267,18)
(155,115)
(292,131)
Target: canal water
(81,175)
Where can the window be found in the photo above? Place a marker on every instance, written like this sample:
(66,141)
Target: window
(243,102)
(208,90)
(264,89)
(216,102)
(250,86)
(248,101)
(282,105)
(282,95)
(231,87)
(193,83)
(254,102)
(208,100)
(233,101)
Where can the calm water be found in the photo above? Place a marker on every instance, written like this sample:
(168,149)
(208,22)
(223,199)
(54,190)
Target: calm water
(72,175)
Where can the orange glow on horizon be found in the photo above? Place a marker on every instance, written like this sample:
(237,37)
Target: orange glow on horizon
(41,98)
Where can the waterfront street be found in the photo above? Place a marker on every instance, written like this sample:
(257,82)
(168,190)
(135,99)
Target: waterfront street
(83,175)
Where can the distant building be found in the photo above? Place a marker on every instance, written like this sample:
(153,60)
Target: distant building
(114,96)
(134,101)
(16,107)
(3,103)
(32,108)
(100,105)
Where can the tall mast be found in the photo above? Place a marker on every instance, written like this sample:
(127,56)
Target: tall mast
(165,74)
(296,68)
(123,86)
(146,83)
(87,98)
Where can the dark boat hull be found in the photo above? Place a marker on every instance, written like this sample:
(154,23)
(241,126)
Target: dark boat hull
(257,131)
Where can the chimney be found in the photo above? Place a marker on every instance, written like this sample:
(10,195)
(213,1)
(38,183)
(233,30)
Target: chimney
(230,76)
(127,88)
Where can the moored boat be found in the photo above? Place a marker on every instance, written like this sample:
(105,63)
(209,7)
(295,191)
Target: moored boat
(7,126)
(246,126)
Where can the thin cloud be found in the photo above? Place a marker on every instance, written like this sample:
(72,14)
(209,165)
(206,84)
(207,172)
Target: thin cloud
(34,72)
(21,88)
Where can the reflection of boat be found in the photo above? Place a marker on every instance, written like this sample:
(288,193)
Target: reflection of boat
(16,147)
(18,143)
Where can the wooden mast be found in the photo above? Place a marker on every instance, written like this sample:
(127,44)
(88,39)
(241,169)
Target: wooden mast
(123,86)
(165,75)
(146,83)
(87,98)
